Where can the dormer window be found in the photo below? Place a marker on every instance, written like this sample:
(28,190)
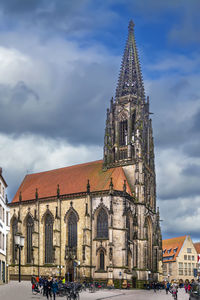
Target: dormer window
(175,249)
(169,250)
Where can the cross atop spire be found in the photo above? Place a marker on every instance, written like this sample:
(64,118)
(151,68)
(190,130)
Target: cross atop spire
(131,26)
(130,79)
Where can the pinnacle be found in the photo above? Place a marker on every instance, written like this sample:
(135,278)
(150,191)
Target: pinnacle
(130,77)
(131,26)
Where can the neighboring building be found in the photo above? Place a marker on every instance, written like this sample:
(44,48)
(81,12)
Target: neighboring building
(99,219)
(197,247)
(4,229)
(179,258)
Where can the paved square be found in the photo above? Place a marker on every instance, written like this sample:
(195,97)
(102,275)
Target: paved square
(22,291)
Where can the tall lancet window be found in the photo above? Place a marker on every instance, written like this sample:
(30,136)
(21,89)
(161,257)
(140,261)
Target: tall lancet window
(14,231)
(133,126)
(123,133)
(102,260)
(72,230)
(29,231)
(102,224)
(128,227)
(48,239)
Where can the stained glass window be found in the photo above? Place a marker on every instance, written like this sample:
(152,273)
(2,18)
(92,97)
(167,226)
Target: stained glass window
(14,231)
(48,239)
(72,230)
(102,224)
(29,229)
(101,260)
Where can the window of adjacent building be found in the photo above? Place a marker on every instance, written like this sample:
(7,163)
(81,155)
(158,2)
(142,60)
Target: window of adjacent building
(0,212)
(180,271)
(0,240)
(3,242)
(48,239)
(165,269)
(180,264)
(7,218)
(185,272)
(170,268)
(3,216)
(192,257)
(185,265)
(3,192)
(185,257)
(189,257)
(189,250)
(102,224)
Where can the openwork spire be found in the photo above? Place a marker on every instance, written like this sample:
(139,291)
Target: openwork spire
(130,79)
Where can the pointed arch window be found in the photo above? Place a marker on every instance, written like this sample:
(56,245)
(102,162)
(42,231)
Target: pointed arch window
(48,239)
(29,231)
(123,132)
(102,260)
(72,230)
(128,227)
(14,231)
(102,224)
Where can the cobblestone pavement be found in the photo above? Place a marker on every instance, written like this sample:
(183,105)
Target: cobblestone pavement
(22,291)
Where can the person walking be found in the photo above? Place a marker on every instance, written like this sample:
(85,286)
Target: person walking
(49,288)
(54,288)
(167,287)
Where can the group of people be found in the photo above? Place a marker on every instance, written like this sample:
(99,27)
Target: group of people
(48,285)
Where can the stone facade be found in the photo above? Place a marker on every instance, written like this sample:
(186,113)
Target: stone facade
(4,229)
(123,189)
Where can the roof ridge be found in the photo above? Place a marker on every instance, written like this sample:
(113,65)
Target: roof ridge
(175,238)
(72,166)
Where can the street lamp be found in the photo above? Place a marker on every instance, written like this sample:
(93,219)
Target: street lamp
(149,276)
(19,243)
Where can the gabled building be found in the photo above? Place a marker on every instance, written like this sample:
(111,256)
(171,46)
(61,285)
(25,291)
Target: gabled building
(179,258)
(4,229)
(97,220)
(197,247)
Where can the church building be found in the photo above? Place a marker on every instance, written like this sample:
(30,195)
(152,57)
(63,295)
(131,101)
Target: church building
(97,220)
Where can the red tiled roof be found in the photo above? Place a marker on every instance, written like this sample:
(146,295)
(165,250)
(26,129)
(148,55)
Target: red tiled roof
(197,247)
(169,245)
(71,180)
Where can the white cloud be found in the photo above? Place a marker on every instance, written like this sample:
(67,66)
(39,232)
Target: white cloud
(32,154)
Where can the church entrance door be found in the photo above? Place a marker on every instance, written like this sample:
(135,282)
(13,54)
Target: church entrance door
(70,272)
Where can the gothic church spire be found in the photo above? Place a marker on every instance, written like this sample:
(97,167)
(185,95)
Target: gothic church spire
(130,79)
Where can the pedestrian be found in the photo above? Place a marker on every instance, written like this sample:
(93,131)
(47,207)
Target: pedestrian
(54,288)
(49,288)
(168,287)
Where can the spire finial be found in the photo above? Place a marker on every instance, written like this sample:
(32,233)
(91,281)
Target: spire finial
(131,26)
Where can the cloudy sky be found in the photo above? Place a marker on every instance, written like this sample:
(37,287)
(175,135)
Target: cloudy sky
(59,64)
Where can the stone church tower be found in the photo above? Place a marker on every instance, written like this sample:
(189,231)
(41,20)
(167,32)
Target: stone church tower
(98,220)
(129,143)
